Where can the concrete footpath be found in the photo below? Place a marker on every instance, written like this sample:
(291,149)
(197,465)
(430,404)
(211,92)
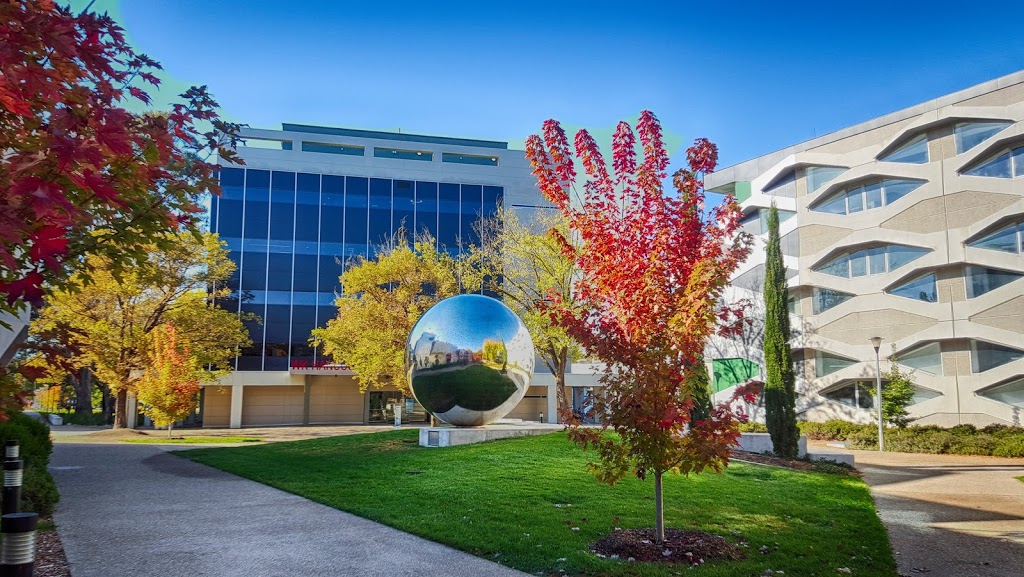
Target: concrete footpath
(949,515)
(136,511)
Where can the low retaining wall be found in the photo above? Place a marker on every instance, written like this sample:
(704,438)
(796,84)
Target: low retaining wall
(762,443)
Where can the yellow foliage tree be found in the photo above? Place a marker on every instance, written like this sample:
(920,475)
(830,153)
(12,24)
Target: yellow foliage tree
(49,398)
(107,321)
(524,263)
(382,298)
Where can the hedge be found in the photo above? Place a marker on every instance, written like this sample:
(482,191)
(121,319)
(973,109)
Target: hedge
(38,491)
(994,440)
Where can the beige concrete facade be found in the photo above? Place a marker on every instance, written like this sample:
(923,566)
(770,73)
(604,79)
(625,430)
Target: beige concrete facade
(276,398)
(946,216)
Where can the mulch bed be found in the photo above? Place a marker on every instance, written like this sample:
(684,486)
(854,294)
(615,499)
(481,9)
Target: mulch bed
(690,547)
(762,459)
(50,559)
(774,461)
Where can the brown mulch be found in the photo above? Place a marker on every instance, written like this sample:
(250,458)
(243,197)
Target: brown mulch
(50,559)
(774,461)
(691,547)
(799,465)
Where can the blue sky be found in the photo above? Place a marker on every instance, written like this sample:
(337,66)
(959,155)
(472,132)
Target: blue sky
(751,77)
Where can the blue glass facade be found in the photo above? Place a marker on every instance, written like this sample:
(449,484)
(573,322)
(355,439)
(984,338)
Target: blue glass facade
(289,232)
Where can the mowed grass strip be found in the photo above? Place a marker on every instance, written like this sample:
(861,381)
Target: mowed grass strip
(517,501)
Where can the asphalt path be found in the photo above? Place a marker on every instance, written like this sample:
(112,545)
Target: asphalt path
(137,511)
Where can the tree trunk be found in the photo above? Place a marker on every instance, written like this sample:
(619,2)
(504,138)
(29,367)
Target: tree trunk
(105,403)
(564,402)
(121,409)
(659,509)
(564,398)
(83,392)
(170,427)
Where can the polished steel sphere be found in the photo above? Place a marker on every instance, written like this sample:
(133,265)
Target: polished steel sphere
(469,360)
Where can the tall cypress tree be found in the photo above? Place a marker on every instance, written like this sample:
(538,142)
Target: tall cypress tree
(700,391)
(780,386)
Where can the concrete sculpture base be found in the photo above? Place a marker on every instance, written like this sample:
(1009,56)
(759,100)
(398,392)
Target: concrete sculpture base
(448,436)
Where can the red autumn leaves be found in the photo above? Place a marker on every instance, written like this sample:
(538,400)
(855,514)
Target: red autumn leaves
(78,166)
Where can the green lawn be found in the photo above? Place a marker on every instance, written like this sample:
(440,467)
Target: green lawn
(512,501)
(1021,479)
(159,440)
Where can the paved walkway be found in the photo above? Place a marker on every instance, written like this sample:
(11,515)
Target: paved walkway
(136,511)
(949,515)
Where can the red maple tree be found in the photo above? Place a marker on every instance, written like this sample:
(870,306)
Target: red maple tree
(653,267)
(80,174)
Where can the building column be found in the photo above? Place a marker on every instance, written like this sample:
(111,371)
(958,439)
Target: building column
(132,408)
(366,407)
(305,399)
(235,421)
(552,413)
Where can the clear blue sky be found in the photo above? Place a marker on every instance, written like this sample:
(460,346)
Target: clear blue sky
(753,78)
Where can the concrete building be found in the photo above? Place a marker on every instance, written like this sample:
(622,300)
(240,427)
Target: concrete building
(908,227)
(308,199)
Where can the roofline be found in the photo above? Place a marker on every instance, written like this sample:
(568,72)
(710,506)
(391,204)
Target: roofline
(749,169)
(383,135)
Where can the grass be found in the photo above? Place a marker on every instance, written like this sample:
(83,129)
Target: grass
(1021,479)
(513,501)
(192,440)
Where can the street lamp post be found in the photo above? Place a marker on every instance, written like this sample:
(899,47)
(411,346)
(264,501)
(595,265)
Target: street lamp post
(877,343)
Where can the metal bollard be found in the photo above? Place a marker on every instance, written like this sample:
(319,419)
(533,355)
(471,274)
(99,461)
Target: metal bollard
(11,449)
(13,472)
(18,549)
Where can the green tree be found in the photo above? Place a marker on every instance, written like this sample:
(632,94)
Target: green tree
(524,263)
(382,298)
(897,395)
(780,384)
(700,392)
(169,389)
(106,324)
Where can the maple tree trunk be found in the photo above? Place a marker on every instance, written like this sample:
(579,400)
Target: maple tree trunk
(121,409)
(170,427)
(659,509)
(83,392)
(564,402)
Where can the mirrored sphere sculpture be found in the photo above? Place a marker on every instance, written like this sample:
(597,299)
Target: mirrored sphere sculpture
(469,360)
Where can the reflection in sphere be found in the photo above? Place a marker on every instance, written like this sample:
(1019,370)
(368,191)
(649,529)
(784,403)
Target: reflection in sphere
(469,360)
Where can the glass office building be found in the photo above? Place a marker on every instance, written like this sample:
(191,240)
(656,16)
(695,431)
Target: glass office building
(291,234)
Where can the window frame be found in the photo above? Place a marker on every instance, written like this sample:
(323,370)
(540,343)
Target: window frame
(906,145)
(935,287)
(861,191)
(1015,158)
(958,137)
(850,259)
